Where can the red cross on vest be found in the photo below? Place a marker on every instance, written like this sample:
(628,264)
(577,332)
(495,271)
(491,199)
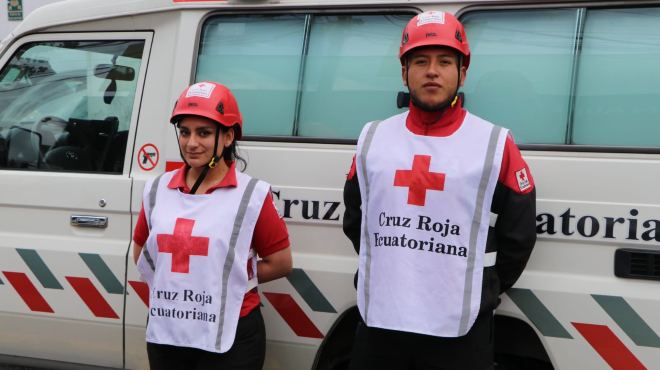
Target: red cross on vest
(182,245)
(419,180)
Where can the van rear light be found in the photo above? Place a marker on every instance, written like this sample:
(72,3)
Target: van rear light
(637,264)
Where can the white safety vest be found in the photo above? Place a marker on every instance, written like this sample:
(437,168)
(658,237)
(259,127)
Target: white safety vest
(195,261)
(425,216)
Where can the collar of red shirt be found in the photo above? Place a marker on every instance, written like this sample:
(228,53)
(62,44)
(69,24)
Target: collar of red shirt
(443,123)
(179,180)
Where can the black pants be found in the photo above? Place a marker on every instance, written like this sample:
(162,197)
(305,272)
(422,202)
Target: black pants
(380,349)
(247,353)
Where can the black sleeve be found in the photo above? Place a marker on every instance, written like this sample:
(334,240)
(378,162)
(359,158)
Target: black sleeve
(515,232)
(353,212)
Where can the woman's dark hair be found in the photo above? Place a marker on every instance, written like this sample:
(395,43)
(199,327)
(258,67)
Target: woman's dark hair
(230,153)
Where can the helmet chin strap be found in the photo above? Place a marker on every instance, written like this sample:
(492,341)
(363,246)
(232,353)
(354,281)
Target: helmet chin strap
(176,133)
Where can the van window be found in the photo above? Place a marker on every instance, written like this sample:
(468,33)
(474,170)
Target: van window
(352,74)
(66,106)
(529,74)
(321,76)
(258,58)
(618,86)
(520,71)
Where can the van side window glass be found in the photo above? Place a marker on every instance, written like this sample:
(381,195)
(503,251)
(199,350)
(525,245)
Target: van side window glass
(321,76)
(351,73)
(520,71)
(67,105)
(617,95)
(258,58)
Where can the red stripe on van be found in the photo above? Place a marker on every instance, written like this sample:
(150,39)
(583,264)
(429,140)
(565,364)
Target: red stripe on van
(92,298)
(28,292)
(142,290)
(609,347)
(287,307)
(172,165)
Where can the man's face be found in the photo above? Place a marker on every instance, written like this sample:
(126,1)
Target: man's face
(432,75)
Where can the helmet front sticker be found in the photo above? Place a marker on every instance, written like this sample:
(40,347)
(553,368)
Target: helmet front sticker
(202,90)
(431,17)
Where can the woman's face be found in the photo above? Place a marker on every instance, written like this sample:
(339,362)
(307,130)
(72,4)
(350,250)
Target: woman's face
(197,140)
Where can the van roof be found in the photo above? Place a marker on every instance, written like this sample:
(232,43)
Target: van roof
(73,11)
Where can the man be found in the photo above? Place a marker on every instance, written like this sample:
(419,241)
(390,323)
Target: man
(441,207)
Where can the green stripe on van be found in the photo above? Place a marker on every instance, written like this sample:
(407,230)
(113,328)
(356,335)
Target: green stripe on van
(103,273)
(39,268)
(628,320)
(538,313)
(309,291)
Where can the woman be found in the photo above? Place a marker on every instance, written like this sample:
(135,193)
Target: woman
(196,241)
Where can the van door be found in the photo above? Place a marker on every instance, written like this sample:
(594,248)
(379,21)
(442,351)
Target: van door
(68,112)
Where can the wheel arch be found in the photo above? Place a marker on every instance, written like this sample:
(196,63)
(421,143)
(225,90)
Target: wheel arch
(516,337)
(337,344)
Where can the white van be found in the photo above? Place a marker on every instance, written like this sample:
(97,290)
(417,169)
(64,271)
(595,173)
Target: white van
(87,87)
(13,13)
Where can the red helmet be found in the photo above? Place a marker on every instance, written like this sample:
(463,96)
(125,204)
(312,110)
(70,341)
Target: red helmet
(435,28)
(211,100)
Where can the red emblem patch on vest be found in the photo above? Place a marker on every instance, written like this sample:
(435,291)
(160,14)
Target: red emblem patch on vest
(182,245)
(419,179)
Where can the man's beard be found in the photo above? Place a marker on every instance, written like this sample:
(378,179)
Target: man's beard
(439,107)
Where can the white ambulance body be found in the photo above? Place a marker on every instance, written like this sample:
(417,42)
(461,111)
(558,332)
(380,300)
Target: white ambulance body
(12,13)
(87,87)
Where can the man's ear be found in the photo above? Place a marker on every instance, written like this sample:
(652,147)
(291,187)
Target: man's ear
(462,76)
(404,72)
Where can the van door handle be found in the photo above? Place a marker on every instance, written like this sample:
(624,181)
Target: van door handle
(100,222)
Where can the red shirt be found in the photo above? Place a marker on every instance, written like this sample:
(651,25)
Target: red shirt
(270,233)
(445,123)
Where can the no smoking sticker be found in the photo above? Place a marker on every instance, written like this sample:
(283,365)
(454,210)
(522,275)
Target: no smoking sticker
(148,157)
